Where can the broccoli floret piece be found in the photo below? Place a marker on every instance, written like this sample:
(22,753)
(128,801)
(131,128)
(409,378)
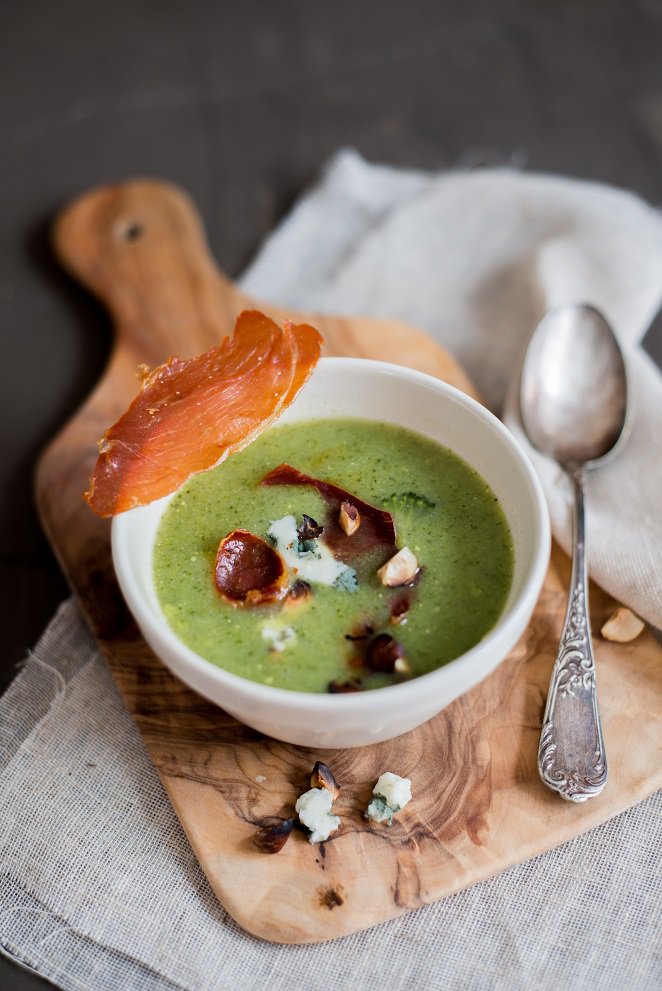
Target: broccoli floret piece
(407,501)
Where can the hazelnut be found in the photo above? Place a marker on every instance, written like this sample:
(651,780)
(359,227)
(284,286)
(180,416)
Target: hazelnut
(350,518)
(273,837)
(322,777)
(400,569)
(622,626)
(383,653)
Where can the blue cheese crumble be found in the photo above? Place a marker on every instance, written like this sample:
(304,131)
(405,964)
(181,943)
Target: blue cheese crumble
(313,561)
(391,793)
(277,637)
(314,811)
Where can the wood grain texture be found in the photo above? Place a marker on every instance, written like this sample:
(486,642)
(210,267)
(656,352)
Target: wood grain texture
(478,804)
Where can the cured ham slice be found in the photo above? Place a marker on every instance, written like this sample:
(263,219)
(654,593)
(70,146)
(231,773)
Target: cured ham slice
(377,528)
(249,571)
(192,414)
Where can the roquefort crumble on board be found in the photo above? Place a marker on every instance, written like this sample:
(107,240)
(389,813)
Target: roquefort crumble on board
(391,793)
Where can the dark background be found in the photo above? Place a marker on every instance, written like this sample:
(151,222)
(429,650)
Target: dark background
(241,102)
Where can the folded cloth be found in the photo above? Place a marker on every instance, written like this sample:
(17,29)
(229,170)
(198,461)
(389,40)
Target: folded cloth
(476,258)
(99,888)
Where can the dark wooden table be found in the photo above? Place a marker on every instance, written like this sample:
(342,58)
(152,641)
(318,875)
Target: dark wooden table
(241,102)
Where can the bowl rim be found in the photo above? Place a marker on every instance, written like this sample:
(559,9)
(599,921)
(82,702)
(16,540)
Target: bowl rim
(508,627)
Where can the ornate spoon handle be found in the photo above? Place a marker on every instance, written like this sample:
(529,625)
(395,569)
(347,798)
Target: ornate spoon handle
(571,755)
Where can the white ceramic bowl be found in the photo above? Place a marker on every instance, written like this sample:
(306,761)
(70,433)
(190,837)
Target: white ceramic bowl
(376,391)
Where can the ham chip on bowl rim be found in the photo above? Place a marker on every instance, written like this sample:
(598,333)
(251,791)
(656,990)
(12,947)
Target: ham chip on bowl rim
(192,414)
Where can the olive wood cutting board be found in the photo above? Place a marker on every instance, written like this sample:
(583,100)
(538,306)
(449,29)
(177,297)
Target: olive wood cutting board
(478,804)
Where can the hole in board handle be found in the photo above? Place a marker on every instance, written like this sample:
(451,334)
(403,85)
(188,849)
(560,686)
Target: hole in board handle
(131,230)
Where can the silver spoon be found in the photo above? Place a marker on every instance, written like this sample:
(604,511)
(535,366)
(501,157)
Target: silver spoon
(573,399)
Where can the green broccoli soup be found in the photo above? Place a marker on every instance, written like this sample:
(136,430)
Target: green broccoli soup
(384,553)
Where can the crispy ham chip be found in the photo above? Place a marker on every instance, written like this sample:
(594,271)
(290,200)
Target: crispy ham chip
(192,414)
(377,525)
(249,571)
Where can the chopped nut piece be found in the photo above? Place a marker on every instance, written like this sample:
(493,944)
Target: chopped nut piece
(309,529)
(300,590)
(399,610)
(401,666)
(322,777)
(383,652)
(350,518)
(249,571)
(400,569)
(622,626)
(300,594)
(272,838)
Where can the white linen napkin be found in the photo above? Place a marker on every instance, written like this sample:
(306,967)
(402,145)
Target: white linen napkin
(99,889)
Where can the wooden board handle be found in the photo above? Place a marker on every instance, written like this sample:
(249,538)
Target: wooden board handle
(141,248)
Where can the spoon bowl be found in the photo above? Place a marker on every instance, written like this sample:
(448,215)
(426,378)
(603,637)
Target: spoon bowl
(573,404)
(574,389)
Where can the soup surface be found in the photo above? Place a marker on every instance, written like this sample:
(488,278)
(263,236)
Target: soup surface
(443,511)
